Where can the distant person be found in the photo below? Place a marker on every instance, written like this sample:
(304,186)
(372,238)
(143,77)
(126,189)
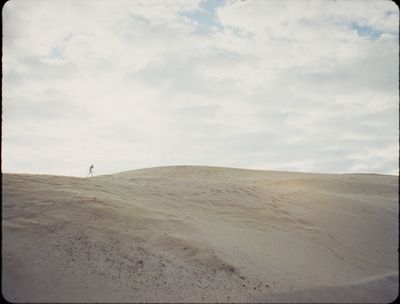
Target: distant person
(90,171)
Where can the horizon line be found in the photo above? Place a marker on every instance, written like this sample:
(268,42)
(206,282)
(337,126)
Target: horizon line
(204,166)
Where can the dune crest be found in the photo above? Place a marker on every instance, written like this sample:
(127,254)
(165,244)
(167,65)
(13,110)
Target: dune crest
(200,234)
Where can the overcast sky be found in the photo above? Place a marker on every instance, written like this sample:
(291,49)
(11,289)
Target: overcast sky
(277,85)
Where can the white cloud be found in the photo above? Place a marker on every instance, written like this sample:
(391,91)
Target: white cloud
(290,85)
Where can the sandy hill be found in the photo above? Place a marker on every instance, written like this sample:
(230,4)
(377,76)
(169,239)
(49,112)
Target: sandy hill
(200,234)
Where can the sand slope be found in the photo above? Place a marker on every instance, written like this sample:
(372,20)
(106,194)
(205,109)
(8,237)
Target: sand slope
(200,234)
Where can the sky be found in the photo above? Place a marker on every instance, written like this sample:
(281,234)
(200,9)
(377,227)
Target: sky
(308,86)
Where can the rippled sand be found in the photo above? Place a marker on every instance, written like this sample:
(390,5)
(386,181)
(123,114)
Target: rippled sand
(200,234)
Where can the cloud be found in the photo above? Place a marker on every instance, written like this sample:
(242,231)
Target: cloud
(284,85)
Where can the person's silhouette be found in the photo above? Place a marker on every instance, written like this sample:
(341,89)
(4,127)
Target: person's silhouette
(90,171)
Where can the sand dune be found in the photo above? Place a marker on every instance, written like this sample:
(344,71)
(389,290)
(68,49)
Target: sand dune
(200,234)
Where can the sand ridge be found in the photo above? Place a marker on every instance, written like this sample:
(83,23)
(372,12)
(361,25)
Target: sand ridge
(200,234)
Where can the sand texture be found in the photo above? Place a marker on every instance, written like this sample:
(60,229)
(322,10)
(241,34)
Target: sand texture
(200,234)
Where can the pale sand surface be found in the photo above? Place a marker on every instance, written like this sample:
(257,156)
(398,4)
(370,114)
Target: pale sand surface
(200,234)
